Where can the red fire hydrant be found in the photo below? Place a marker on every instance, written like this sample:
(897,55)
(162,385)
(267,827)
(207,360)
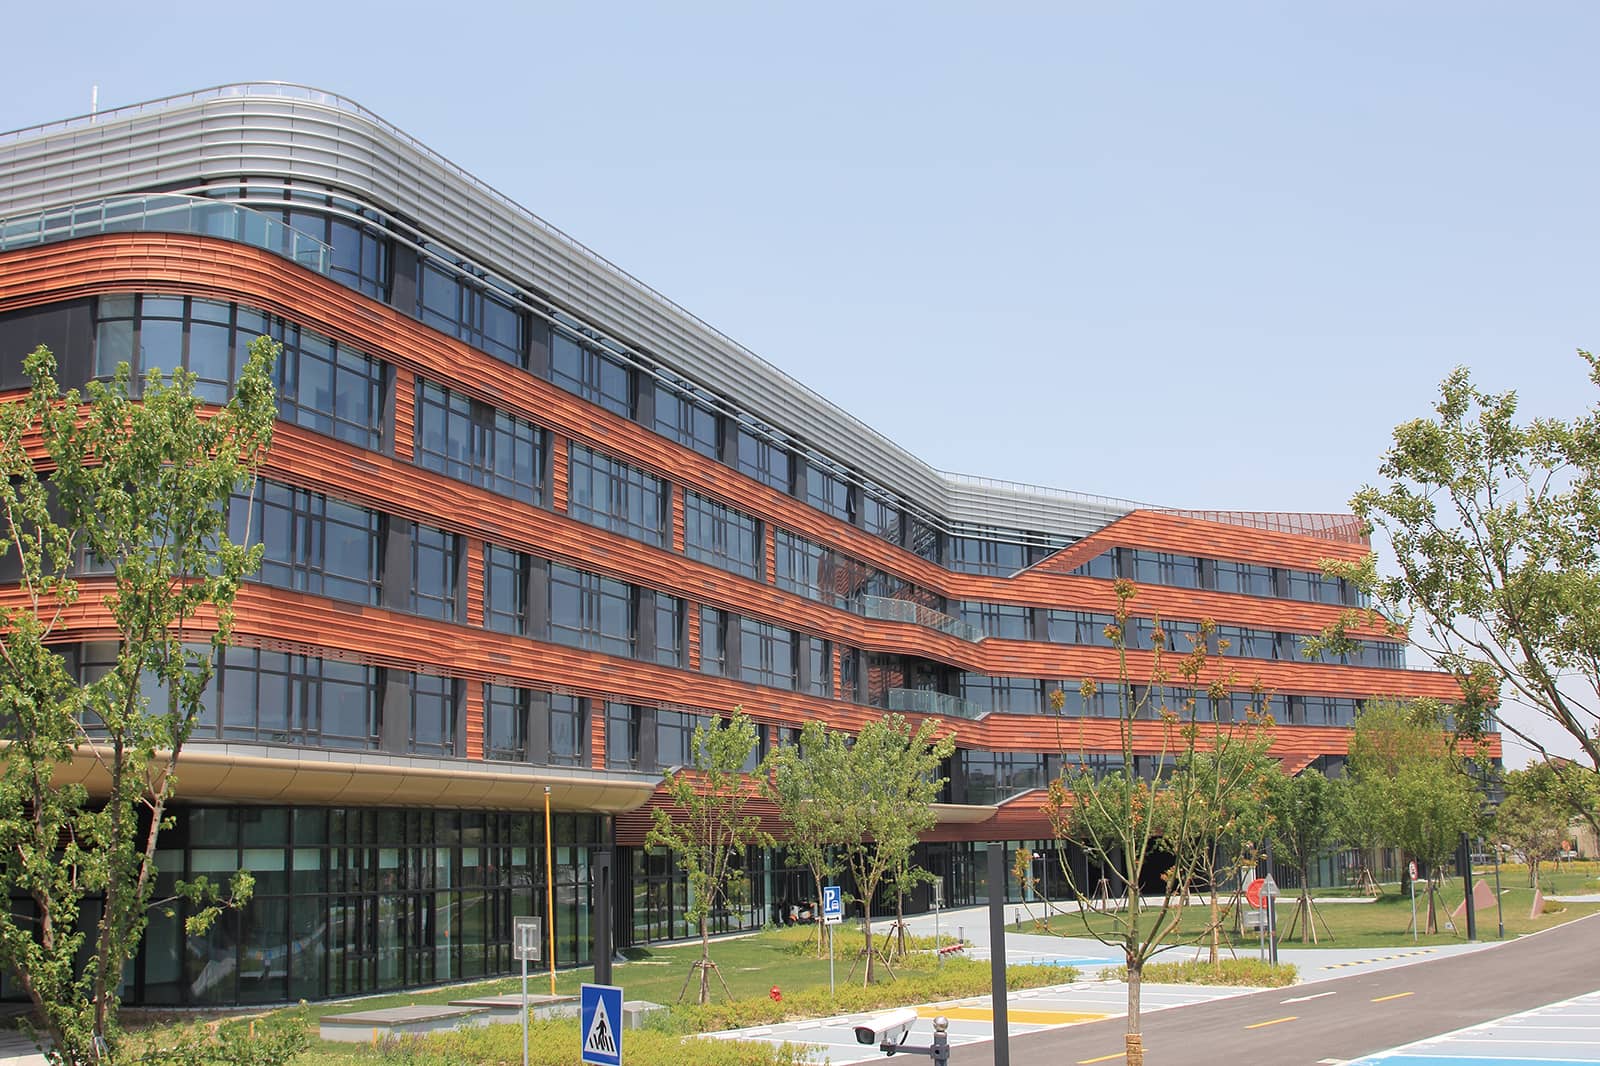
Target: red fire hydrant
(777,996)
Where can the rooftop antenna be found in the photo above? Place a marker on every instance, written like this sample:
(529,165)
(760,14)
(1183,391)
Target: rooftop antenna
(94,101)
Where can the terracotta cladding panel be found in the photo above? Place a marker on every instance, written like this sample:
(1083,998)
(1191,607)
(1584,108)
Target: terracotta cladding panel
(679,544)
(560,472)
(184,263)
(1158,531)
(405,414)
(692,632)
(219,269)
(597,735)
(474,720)
(769,544)
(475,587)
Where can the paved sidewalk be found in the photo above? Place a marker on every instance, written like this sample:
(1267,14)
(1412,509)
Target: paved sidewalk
(17,1050)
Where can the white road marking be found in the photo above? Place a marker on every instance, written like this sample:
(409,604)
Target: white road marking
(1302,999)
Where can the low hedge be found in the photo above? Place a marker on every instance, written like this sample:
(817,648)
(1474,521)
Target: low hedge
(956,979)
(1243,973)
(555,1043)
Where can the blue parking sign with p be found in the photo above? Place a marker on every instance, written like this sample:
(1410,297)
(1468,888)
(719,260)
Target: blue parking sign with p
(600,1010)
(832,904)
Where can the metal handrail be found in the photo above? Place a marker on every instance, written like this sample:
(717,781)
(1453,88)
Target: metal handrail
(888,609)
(166,213)
(926,701)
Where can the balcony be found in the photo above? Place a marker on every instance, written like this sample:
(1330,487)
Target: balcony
(165,213)
(926,701)
(886,609)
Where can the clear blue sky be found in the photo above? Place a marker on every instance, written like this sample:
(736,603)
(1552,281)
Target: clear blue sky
(1195,255)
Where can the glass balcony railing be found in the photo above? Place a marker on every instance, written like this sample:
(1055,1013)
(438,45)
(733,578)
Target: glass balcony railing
(924,701)
(165,213)
(892,610)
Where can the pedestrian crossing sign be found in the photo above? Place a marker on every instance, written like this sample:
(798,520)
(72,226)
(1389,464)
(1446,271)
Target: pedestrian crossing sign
(600,1012)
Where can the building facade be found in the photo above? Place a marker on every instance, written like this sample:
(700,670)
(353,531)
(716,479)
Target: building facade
(527,522)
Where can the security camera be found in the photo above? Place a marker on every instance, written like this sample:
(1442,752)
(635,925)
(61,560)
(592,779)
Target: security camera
(887,1030)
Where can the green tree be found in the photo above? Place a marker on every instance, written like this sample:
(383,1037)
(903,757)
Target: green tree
(809,782)
(1407,775)
(1534,817)
(707,829)
(1305,820)
(1144,826)
(138,489)
(1495,527)
(891,780)
(1231,775)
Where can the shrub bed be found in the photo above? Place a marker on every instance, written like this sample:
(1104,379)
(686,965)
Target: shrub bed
(1244,973)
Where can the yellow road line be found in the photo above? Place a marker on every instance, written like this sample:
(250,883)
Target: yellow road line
(1275,1021)
(1102,1058)
(1397,995)
(1023,1017)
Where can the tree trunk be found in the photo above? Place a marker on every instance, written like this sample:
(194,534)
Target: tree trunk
(900,925)
(1133,1042)
(1533,873)
(705,962)
(1433,916)
(1216,925)
(866,931)
(1308,934)
(816,914)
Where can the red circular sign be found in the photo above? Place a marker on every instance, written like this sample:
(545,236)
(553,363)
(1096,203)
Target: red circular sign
(1411,868)
(1252,892)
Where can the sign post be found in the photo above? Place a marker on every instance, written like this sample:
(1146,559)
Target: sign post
(600,1011)
(832,915)
(1269,896)
(525,938)
(1411,869)
(938,901)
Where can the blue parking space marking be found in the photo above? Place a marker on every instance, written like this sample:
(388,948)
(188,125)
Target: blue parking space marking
(1560,1034)
(1080,960)
(1461,1060)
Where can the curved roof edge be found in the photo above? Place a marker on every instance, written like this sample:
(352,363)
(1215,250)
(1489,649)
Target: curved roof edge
(292,131)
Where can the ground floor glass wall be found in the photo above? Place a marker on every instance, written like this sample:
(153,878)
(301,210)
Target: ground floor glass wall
(350,901)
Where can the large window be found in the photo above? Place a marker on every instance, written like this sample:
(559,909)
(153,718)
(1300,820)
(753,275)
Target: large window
(568,730)
(1080,627)
(165,332)
(435,573)
(881,518)
(802,567)
(1004,695)
(505,590)
(590,611)
(271,697)
(762,458)
(622,736)
(311,542)
(609,493)
(675,737)
(1004,620)
(829,492)
(985,555)
(360,250)
(433,714)
(670,618)
(591,375)
(471,441)
(688,416)
(713,641)
(1248,579)
(470,308)
(768,654)
(321,384)
(717,534)
(505,723)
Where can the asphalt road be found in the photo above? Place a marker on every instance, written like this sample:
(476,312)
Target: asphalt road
(1344,1018)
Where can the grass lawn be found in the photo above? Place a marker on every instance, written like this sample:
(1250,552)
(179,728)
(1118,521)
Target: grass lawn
(751,966)
(1386,921)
